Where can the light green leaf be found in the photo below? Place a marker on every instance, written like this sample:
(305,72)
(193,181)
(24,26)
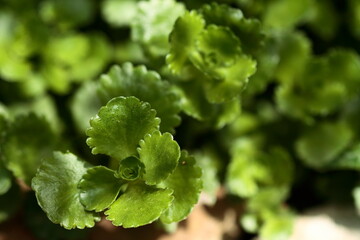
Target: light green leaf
(186,184)
(320,145)
(99,188)
(84,105)
(217,47)
(248,31)
(182,40)
(145,85)
(210,163)
(160,155)
(5,179)
(56,189)
(295,51)
(130,169)
(245,171)
(119,126)
(233,80)
(139,205)
(119,13)
(349,160)
(24,159)
(153,23)
(286,14)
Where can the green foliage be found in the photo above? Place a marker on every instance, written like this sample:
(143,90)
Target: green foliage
(119,126)
(126,81)
(139,205)
(56,188)
(265,94)
(98,188)
(160,155)
(23,160)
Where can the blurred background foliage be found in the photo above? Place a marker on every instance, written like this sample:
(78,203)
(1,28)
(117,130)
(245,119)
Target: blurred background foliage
(284,141)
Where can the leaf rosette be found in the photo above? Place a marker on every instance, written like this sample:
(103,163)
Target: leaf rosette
(148,183)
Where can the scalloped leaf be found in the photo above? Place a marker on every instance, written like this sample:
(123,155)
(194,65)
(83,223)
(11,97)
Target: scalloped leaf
(160,155)
(56,189)
(120,125)
(248,31)
(217,47)
(24,159)
(182,39)
(99,188)
(187,184)
(234,80)
(147,86)
(139,205)
(153,23)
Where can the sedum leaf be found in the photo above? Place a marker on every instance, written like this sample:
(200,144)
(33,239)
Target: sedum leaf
(119,13)
(320,145)
(119,126)
(234,80)
(153,23)
(160,155)
(147,86)
(248,31)
(56,189)
(84,105)
(130,169)
(182,39)
(99,188)
(24,159)
(5,179)
(186,184)
(244,171)
(139,205)
(349,160)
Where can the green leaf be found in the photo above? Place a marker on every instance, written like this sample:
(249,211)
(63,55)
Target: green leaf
(153,23)
(233,80)
(160,155)
(320,145)
(182,40)
(245,171)
(56,189)
(186,184)
(84,104)
(5,179)
(139,205)
(99,188)
(295,50)
(119,13)
(119,126)
(218,47)
(210,163)
(24,159)
(42,228)
(67,13)
(130,169)
(349,160)
(286,14)
(248,31)
(145,85)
